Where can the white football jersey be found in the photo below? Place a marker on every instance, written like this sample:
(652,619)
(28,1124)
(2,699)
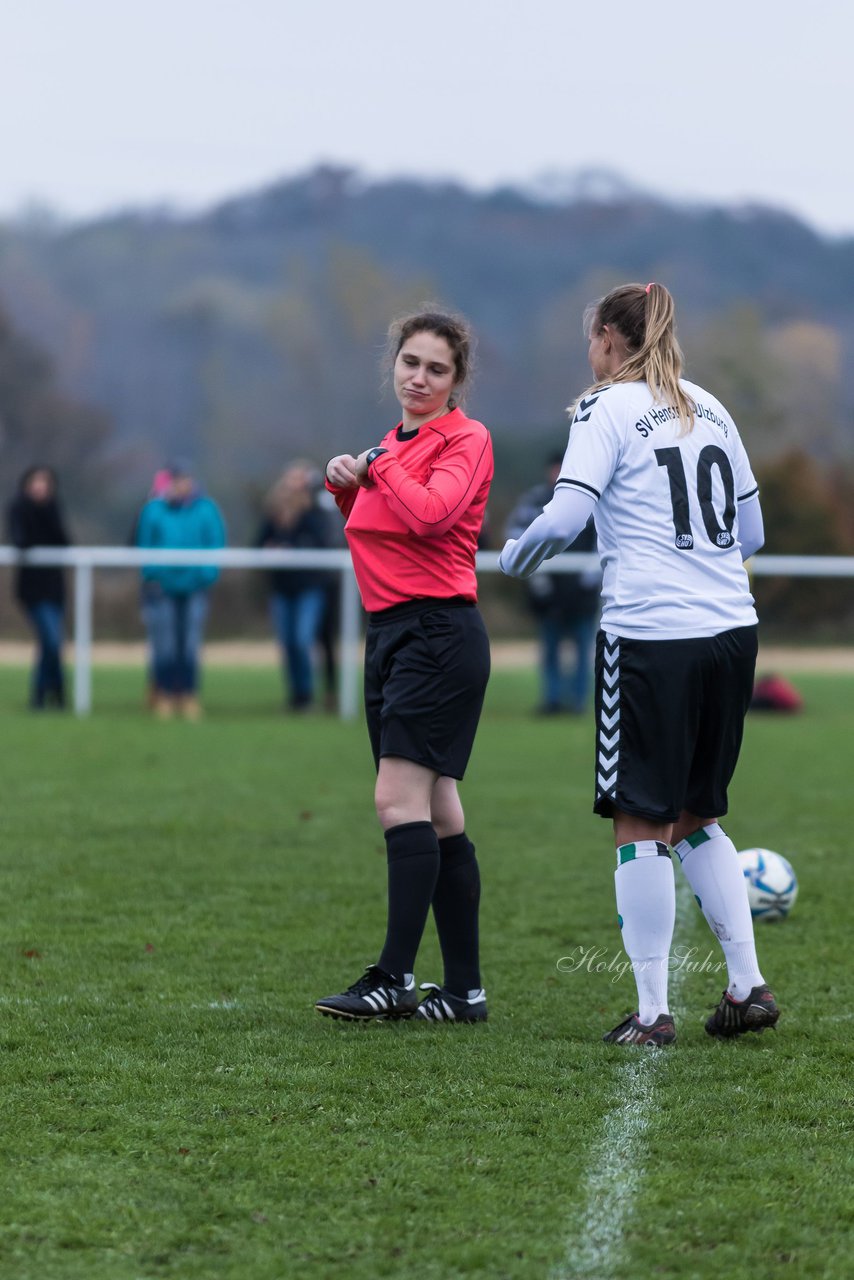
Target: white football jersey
(667,511)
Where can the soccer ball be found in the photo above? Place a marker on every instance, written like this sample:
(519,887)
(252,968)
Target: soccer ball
(772,885)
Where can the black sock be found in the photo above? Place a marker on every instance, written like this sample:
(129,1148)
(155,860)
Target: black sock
(413,865)
(456,900)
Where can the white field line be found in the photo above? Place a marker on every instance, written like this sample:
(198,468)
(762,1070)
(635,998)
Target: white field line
(613,1184)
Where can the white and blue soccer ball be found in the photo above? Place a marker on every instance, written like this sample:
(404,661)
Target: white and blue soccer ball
(772,885)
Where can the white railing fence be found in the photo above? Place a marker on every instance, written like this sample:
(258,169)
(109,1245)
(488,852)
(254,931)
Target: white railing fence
(84,560)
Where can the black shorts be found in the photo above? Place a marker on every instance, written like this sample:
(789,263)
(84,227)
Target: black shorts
(669,722)
(426,670)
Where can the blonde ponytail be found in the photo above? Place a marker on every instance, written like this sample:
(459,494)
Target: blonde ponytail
(644,315)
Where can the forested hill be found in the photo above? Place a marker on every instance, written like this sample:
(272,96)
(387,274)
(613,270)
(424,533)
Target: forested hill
(252,332)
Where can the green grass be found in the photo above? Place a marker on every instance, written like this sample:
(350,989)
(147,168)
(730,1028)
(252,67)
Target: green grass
(175,896)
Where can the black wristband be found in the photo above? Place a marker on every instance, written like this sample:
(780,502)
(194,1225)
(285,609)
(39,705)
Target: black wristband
(373,454)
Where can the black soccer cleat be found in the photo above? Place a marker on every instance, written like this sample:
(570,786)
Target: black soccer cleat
(733,1017)
(440,1005)
(376,996)
(633,1031)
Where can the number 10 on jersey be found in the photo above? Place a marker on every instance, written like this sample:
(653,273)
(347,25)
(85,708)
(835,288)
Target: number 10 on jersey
(711,457)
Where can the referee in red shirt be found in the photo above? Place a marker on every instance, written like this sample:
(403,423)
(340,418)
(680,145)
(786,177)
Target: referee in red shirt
(414,506)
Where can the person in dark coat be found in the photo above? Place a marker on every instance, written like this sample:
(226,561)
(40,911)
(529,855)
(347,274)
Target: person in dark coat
(35,520)
(566,606)
(298,597)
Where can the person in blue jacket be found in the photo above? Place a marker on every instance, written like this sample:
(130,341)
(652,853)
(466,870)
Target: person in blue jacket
(175,597)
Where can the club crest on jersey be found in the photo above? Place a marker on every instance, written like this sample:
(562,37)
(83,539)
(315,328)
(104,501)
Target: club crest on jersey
(724,539)
(685,541)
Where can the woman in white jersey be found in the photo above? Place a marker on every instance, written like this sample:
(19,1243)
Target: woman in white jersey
(660,463)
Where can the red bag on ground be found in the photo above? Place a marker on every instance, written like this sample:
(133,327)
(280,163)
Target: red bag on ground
(775,693)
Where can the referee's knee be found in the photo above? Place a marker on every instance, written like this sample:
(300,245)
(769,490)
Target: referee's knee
(396,803)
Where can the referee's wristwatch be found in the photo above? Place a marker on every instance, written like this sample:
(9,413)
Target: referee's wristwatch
(373,454)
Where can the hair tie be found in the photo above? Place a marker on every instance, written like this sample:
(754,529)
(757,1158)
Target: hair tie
(649,286)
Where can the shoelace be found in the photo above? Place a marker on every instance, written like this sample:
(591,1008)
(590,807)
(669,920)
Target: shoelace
(435,1000)
(369,981)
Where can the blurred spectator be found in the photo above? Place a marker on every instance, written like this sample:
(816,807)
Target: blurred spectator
(330,627)
(299,598)
(566,606)
(175,597)
(35,520)
(160,484)
(484,538)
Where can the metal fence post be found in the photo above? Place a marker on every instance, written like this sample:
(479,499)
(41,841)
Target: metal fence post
(82,639)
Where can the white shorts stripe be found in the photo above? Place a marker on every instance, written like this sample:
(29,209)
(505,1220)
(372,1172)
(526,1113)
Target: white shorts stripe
(608,725)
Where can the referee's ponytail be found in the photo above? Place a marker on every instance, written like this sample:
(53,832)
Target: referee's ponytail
(645,316)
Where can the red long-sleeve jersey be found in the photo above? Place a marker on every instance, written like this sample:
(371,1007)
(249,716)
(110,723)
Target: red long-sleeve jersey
(413,533)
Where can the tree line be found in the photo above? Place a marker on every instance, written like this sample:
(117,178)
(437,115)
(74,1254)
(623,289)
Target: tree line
(251,333)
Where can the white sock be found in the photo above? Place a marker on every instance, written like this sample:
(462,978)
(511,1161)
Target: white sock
(646,902)
(711,866)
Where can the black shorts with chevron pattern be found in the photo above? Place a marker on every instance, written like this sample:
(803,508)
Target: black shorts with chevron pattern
(669,722)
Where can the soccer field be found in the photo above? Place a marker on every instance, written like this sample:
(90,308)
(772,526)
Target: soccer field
(174,898)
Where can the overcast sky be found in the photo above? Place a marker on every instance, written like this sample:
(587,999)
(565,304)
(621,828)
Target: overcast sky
(110,103)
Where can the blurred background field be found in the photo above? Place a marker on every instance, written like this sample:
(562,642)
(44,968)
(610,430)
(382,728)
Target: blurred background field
(137,337)
(220,355)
